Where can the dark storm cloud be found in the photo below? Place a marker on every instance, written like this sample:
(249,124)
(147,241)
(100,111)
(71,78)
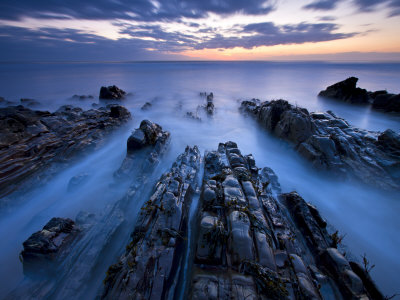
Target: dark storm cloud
(268,34)
(370,5)
(130,9)
(146,39)
(322,5)
(361,5)
(67,44)
(327,18)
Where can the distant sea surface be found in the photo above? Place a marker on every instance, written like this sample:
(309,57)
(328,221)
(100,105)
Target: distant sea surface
(298,82)
(368,218)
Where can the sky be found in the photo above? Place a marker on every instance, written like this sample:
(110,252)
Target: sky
(136,30)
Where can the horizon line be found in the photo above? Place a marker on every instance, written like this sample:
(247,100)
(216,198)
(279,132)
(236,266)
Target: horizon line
(201,61)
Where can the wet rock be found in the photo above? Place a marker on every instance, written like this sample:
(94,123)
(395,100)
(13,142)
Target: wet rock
(209,107)
(146,106)
(79,262)
(77,181)
(346,90)
(350,285)
(111,93)
(29,102)
(150,265)
(235,251)
(387,102)
(248,246)
(31,140)
(369,284)
(330,143)
(309,222)
(82,97)
(193,116)
(390,141)
(42,248)
(146,135)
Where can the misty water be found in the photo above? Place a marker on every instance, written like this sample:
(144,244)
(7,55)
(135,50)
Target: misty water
(367,217)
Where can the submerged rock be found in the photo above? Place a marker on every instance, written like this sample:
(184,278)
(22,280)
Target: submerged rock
(330,143)
(347,91)
(77,181)
(193,116)
(43,248)
(29,102)
(111,93)
(32,140)
(82,97)
(146,106)
(209,106)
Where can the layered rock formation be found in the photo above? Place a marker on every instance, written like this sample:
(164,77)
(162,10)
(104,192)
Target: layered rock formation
(246,246)
(330,143)
(348,91)
(150,265)
(111,93)
(31,140)
(75,260)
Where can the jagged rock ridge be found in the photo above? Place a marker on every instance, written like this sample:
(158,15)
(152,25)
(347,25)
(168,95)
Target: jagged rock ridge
(330,143)
(348,91)
(31,140)
(247,247)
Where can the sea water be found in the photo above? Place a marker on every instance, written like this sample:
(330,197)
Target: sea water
(367,217)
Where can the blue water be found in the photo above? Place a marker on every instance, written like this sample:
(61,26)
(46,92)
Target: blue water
(368,217)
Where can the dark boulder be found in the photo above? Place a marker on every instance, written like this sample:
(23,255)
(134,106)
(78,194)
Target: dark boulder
(43,247)
(347,91)
(146,106)
(146,135)
(111,93)
(387,102)
(117,111)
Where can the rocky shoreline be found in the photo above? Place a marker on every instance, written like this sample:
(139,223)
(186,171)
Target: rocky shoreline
(348,91)
(248,244)
(213,226)
(330,143)
(32,141)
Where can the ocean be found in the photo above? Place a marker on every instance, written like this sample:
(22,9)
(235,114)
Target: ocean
(367,217)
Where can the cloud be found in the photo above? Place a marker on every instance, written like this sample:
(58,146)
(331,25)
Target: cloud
(269,34)
(47,44)
(130,9)
(370,5)
(322,5)
(360,5)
